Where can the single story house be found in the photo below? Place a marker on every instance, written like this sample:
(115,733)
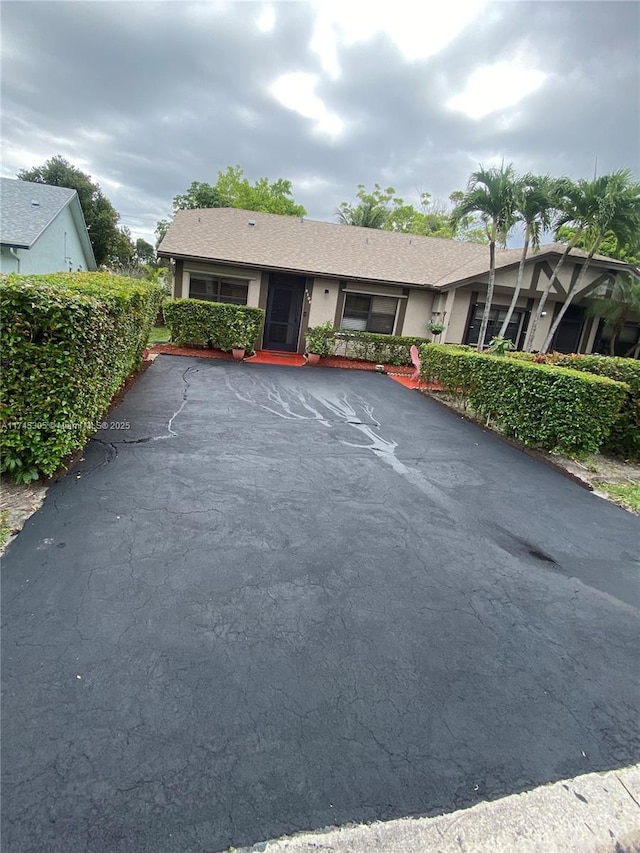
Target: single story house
(304,273)
(42,229)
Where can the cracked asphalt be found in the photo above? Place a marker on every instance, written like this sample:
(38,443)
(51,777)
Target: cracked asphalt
(289,598)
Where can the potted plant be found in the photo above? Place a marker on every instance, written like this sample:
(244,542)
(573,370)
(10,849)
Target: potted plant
(240,343)
(435,327)
(319,342)
(238,351)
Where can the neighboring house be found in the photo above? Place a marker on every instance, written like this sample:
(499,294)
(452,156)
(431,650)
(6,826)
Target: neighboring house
(42,229)
(304,273)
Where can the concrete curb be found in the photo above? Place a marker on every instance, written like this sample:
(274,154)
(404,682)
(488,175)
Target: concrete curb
(594,813)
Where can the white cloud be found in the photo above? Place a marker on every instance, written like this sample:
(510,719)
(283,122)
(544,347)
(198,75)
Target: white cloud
(491,88)
(266,20)
(295,91)
(419,31)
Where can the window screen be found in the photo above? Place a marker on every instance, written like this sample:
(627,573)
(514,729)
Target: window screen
(369,313)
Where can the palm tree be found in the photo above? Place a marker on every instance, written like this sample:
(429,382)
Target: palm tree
(533,208)
(607,204)
(566,197)
(366,215)
(490,193)
(617,307)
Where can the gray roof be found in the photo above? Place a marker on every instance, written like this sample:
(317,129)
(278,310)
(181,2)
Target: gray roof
(247,238)
(27,209)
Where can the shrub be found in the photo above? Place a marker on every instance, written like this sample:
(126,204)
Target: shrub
(368,346)
(320,339)
(624,436)
(196,322)
(69,340)
(554,408)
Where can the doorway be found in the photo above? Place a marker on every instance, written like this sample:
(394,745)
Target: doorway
(284,312)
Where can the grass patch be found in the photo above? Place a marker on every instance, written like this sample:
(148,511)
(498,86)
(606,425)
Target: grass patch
(627,494)
(159,335)
(5,529)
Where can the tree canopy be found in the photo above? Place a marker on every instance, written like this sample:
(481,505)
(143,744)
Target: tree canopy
(233,189)
(384,209)
(627,250)
(111,245)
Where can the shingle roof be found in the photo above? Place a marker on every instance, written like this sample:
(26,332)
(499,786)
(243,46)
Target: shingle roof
(248,238)
(26,209)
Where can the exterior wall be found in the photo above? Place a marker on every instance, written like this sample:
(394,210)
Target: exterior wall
(323,305)
(58,249)
(455,320)
(419,308)
(535,279)
(8,260)
(450,307)
(253,276)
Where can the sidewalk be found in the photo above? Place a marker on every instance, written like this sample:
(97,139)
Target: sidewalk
(595,813)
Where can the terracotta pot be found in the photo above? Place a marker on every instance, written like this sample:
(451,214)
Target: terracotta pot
(313,358)
(238,354)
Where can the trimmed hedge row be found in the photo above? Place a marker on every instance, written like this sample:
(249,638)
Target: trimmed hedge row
(544,406)
(221,325)
(368,346)
(624,437)
(69,341)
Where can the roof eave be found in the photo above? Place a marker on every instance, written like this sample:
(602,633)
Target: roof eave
(15,245)
(294,270)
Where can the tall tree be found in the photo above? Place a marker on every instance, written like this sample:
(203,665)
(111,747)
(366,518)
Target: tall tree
(616,307)
(533,205)
(233,189)
(627,251)
(99,214)
(145,253)
(607,204)
(372,211)
(275,197)
(199,194)
(491,195)
(382,208)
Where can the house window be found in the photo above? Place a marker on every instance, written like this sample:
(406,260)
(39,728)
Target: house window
(369,313)
(515,330)
(627,342)
(219,290)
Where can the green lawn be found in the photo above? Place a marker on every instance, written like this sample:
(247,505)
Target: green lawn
(159,335)
(627,494)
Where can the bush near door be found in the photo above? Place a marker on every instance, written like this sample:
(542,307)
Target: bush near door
(221,325)
(69,341)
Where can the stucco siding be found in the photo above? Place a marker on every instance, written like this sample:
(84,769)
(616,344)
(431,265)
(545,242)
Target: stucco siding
(419,308)
(323,305)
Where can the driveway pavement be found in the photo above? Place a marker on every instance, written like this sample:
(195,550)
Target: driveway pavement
(289,598)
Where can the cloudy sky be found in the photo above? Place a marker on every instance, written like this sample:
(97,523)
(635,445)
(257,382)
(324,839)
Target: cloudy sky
(150,96)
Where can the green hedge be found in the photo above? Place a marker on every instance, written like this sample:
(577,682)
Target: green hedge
(221,325)
(624,437)
(69,340)
(381,349)
(545,406)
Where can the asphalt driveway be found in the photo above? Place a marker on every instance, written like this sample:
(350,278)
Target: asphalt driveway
(288,598)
